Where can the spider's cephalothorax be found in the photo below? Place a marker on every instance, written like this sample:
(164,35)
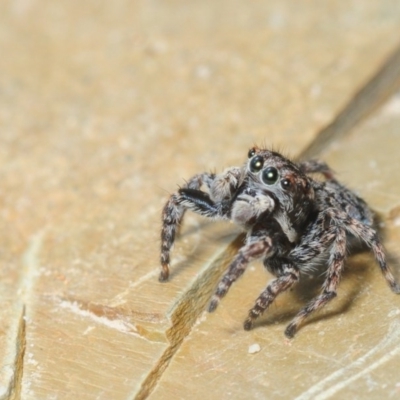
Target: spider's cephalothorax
(293,223)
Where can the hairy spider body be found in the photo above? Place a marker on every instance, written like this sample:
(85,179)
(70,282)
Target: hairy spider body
(293,223)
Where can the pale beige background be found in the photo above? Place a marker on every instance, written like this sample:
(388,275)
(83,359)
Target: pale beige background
(105,107)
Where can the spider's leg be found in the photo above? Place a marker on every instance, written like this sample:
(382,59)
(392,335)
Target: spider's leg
(201,203)
(172,216)
(370,237)
(287,277)
(191,197)
(336,263)
(316,166)
(248,253)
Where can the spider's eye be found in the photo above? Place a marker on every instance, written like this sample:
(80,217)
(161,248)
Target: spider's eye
(256,164)
(251,152)
(270,175)
(285,183)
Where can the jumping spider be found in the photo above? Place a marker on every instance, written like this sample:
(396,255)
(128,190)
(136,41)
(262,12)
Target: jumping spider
(293,223)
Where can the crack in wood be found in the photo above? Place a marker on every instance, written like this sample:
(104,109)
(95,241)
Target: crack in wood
(381,353)
(380,87)
(29,274)
(14,388)
(121,319)
(185,313)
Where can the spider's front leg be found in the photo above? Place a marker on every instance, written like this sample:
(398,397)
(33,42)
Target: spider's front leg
(251,251)
(190,196)
(288,274)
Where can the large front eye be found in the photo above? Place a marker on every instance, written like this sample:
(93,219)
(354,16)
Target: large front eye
(270,175)
(256,164)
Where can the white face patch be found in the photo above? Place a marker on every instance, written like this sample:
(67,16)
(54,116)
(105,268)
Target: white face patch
(248,207)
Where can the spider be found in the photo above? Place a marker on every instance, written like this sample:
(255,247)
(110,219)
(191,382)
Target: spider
(293,223)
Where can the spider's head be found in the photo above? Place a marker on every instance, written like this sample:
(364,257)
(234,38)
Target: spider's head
(274,175)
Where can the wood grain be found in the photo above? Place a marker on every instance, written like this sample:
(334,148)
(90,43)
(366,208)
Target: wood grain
(105,107)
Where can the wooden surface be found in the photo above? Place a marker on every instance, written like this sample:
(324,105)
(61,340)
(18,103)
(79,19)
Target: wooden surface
(105,107)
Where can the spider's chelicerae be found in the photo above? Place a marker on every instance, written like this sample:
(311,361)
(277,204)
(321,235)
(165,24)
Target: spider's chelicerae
(293,222)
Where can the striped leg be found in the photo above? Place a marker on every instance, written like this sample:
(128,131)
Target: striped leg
(172,216)
(220,189)
(248,253)
(370,237)
(316,166)
(286,279)
(336,263)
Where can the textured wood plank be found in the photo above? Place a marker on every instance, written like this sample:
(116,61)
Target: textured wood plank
(370,97)
(104,108)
